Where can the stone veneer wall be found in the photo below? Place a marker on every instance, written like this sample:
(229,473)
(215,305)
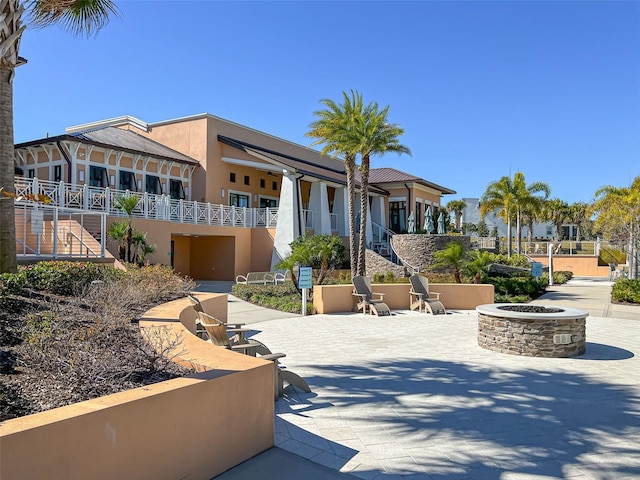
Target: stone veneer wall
(418,249)
(531,337)
(378,264)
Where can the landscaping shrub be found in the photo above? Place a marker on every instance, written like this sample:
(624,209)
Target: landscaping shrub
(559,277)
(526,287)
(626,290)
(66,278)
(12,283)
(284,298)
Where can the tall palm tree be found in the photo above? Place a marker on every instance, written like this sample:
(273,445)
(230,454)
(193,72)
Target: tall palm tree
(556,211)
(76,16)
(332,129)
(526,199)
(374,135)
(578,212)
(457,207)
(500,197)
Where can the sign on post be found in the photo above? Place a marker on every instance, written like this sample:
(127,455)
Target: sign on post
(304,283)
(536,270)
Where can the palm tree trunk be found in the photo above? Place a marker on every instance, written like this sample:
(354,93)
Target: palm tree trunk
(364,204)
(519,232)
(350,166)
(8,262)
(509,246)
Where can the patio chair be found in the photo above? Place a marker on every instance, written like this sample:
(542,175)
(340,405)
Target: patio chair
(420,298)
(366,302)
(219,336)
(235,329)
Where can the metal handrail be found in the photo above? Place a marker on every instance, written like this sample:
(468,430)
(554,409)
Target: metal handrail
(83,244)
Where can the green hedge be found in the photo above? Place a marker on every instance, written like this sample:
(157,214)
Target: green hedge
(626,290)
(284,298)
(57,277)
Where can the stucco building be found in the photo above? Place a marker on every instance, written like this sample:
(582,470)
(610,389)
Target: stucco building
(217,198)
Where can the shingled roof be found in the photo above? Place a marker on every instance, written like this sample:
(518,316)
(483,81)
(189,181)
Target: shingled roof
(118,139)
(386,175)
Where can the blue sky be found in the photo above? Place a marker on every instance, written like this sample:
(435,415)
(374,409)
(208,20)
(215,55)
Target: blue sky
(483,89)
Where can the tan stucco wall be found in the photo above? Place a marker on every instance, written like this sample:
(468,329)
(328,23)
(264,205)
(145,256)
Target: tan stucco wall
(261,249)
(580,265)
(208,252)
(339,298)
(195,427)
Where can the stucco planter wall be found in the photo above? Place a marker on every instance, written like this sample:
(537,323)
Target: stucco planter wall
(339,298)
(195,427)
(418,249)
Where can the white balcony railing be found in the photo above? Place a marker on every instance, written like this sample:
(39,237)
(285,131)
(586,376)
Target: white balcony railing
(156,207)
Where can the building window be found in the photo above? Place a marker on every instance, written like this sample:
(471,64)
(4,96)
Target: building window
(237,200)
(31,173)
(274,185)
(127,181)
(549,230)
(57,173)
(152,184)
(98,177)
(247,180)
(232,177)
(268,203)
(176,190)
(398,216)
(262,183)
(418,215)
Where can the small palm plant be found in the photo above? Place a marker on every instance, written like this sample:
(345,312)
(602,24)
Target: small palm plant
(128,204)
(476,264)
(118,231)
(451,256)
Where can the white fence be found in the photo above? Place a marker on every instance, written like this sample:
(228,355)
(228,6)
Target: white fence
(151,206)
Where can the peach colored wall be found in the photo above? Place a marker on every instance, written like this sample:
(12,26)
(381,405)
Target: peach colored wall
(181,256)
(195,427)
(212,258)
(187,255)
(339,298)
(261,249)
(190,138)
(580,265)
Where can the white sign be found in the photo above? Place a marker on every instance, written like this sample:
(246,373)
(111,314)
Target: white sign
(37,222)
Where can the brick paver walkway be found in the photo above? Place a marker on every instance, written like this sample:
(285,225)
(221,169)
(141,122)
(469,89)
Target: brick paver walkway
(414,396)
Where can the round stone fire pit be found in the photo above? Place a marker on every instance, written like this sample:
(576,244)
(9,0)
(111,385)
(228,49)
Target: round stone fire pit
(532,330)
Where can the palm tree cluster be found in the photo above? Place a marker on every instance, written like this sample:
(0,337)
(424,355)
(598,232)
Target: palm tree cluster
(513,199)
(516,201)
(76,16)
(350,130)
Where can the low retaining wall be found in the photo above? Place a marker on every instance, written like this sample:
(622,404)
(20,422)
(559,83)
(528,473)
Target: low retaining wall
(195,427)
(580,265)
(458,296)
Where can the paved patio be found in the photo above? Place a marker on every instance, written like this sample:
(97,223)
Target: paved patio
(414,396)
